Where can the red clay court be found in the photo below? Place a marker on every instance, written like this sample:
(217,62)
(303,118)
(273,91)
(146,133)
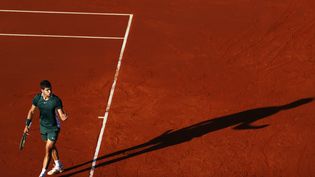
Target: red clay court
(162,88)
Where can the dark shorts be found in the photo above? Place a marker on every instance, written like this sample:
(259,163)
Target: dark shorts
(51,135)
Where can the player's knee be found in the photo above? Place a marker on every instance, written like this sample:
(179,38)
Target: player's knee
(49,146)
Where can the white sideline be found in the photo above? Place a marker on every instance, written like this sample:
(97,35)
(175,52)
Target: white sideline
(100,137)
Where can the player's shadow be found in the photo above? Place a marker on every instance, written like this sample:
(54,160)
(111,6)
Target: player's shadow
(239,121)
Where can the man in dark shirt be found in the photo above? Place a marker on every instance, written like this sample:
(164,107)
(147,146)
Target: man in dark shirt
(51,109)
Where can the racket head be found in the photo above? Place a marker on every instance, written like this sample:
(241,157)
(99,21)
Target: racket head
(22,142)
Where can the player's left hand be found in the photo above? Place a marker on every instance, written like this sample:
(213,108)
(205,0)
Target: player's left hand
(64,117)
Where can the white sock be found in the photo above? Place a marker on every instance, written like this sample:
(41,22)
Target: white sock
(58,163)
(43,173)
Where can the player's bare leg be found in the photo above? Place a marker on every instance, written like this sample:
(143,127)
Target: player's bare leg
(48,152)
(55,154)
(58,167)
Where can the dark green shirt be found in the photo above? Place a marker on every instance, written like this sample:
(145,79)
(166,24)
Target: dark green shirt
(48,112)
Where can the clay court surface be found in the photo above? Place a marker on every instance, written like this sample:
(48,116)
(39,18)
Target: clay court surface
(205,88)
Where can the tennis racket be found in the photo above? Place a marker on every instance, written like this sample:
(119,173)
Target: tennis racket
(23,140)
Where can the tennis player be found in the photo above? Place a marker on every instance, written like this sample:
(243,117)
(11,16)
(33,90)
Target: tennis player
(51,109)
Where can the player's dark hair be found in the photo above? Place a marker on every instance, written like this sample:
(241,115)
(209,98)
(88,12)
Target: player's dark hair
(45,84)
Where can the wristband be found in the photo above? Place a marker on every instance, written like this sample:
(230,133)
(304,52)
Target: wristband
(28,122)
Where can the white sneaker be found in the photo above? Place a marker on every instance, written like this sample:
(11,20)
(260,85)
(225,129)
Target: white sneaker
(42,173)
(56,170)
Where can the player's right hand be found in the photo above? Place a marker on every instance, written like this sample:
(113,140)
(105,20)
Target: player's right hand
(26,130)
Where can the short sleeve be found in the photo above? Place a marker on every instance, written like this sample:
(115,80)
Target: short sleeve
(36,99)
(58,103)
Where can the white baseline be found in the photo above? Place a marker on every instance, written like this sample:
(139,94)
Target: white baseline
(60,12)
(60,36)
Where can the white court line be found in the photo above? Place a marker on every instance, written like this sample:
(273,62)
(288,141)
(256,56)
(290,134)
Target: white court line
(100,137)
(59,36)
(60,12)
